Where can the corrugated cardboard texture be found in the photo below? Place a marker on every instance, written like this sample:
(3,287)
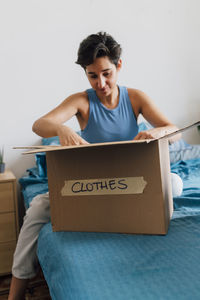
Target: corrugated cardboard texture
(129,213)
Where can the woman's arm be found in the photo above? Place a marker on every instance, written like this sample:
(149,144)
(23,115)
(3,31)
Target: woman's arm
(51,124)
(143,104)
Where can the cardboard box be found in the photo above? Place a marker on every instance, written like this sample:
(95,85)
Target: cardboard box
(122,187)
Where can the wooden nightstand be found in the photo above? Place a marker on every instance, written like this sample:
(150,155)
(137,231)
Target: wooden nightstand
(9,227)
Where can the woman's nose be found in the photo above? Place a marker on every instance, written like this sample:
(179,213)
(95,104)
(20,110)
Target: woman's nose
(101,82)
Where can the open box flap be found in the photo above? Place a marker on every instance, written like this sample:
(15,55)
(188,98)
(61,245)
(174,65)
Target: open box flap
(36,149)
(180,130)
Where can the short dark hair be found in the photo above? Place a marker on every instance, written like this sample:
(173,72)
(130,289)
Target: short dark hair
(98,45)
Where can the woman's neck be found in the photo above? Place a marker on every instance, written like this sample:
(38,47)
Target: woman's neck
(111,101)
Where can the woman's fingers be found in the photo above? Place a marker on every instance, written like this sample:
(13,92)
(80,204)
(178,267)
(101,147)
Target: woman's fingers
(83,142)
(143,135)
(72,140)
(68,137)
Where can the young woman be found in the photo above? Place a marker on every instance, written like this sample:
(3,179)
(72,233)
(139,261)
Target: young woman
(106,112)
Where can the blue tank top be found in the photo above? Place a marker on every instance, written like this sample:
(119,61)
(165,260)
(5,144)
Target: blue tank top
(110,125)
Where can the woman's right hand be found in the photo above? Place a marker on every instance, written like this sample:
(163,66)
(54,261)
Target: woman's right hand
(68,137)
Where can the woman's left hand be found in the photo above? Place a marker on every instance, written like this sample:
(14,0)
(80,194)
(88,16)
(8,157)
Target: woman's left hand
(153,133)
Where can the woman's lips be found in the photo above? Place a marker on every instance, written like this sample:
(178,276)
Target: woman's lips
(104,90)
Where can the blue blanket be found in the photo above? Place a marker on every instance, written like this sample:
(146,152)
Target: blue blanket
(96,266)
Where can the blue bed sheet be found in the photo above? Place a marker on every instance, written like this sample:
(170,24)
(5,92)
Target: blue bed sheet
(97,266)
(32,185)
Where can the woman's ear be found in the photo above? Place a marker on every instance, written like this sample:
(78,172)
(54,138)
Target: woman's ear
(119,64)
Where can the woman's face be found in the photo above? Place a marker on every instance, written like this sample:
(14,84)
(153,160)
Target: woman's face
(102,75)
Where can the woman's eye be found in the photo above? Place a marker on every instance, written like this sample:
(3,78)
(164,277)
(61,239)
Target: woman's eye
(104,74)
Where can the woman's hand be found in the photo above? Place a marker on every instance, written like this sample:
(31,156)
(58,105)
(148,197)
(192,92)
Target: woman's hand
(153,133)
(68,137)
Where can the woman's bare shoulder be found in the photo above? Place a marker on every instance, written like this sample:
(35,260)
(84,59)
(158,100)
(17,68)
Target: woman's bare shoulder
(77,96)
(136,93)
(137,98)
(79,101)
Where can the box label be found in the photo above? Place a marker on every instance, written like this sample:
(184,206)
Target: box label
(104,186)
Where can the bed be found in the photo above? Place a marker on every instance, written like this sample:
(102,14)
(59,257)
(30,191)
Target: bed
(97,266)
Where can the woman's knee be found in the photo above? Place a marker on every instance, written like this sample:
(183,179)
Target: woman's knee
(39,208)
